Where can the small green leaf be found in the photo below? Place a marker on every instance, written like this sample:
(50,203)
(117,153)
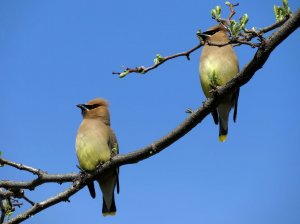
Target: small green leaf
(282,12)
(198,33)
(227,3)
(218,10)
(285,4)
(234,28)
(213,13)
(276,12)
(243,21)
(123,74)
(158,59)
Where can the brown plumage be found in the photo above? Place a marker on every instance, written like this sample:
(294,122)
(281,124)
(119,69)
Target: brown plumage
(96,144)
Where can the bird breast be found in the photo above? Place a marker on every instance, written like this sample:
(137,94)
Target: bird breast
(219,64)
(92,146)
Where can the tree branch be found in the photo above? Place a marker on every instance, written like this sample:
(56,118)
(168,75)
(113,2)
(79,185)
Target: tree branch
(21,166)
(80,180)
(197,116)
(45,178)
(244,39)
(2,211)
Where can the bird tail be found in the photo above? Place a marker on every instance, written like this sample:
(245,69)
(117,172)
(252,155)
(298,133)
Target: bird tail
(107,184)
(109,211)
(223,110)
(222,132)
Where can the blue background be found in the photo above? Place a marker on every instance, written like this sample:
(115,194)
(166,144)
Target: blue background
(56,54)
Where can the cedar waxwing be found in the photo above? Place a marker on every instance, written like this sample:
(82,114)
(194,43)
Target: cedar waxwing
(96,144)
(218,65)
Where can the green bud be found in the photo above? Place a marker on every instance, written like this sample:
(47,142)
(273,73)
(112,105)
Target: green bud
(227,3)
(158,59)
(243,21)
(198,33)
(275,9)
(285,4)
(213,13)
(218,10)
(245,18)
(276,12)
(234,27)
(123,74)
(280,14)
(286,7)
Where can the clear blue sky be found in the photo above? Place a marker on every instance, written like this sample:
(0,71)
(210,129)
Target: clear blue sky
(56,54)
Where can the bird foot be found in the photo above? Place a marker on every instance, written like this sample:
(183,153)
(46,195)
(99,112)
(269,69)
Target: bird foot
(214,89)
(114,150)
(80,169)
(100,165)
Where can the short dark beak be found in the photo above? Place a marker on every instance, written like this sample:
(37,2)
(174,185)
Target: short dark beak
(82,107)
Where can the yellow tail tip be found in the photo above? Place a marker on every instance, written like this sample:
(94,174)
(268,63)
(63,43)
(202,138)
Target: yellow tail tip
(222,138)
(109,214)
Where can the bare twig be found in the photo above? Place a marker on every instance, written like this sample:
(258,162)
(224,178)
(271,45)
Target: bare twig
(28,200)
(266,29)
(144,70)
(195,118)
(21,166)
(44,178)
(232,12)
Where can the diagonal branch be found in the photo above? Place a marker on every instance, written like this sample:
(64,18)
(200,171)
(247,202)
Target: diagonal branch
(187,125)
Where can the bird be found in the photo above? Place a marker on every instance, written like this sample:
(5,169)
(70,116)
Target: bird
(96,143)
(218,65)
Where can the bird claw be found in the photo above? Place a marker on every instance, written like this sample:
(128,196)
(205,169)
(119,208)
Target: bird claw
(114,150)
(214,89)
(100,165)
(83,171)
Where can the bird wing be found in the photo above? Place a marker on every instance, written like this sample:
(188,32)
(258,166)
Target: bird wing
(114,148)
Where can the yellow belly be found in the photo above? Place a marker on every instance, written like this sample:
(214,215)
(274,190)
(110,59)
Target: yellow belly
(91,151)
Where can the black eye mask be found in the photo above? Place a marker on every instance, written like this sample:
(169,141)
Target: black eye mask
(90,107)
(210,32)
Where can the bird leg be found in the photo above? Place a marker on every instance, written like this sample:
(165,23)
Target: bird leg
(114,150)
(82,170)
(100,165)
